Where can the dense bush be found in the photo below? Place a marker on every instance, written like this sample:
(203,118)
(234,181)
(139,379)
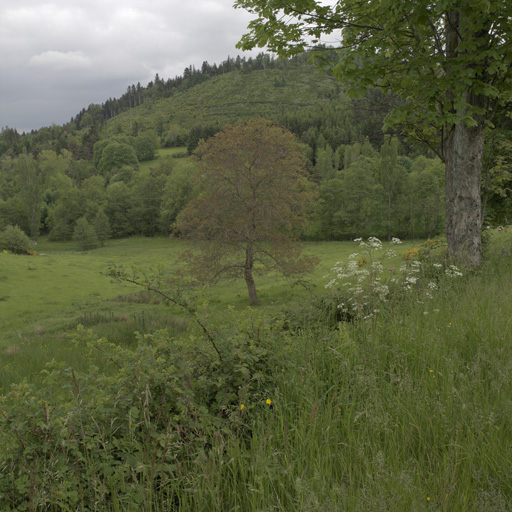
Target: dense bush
(103,440)
(13,239)
(85,235)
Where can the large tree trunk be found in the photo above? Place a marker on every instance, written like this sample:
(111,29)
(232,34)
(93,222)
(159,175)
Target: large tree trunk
(464,147)
(251,285)
(463,151)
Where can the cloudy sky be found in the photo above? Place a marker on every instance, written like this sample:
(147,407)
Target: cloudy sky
(59,56)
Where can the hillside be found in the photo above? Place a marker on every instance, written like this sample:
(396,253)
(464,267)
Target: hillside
(370,183)
(236,95)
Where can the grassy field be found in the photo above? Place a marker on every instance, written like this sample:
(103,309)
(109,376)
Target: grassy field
(44,297)
(408,411)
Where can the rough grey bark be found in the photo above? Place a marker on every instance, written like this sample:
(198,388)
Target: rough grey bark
(463,152)
(464,148)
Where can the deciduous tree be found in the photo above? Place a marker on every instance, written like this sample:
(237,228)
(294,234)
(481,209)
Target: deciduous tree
(85,235)
(30,182)
(115,156)
(253,202)
(449,61)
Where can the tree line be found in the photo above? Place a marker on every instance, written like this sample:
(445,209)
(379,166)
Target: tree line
(369,182)
(362,190)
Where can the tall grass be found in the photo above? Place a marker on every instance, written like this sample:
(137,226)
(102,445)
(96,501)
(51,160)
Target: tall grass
(412,413)
(409,411)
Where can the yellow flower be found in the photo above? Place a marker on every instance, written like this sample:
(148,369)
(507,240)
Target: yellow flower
(431,371)
(269,401)
(242,406)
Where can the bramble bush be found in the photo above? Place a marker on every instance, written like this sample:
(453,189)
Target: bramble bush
(123,438)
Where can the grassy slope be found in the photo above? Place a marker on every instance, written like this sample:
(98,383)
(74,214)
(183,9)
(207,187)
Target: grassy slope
(410,413)
(233,96)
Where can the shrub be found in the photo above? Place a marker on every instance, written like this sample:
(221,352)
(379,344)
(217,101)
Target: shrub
(125,438)
(85,235)
(15,240)
(85,441)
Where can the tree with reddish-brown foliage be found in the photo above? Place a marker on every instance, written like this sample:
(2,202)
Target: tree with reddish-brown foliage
(252,204)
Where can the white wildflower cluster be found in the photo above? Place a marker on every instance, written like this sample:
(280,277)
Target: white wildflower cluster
(361,278)
(431,286)
(453,271)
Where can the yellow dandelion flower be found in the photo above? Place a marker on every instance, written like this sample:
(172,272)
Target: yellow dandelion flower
(242,406)
(431,371)
(269,401)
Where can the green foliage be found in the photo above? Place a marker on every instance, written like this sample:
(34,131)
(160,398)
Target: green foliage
(102,227)
(148,194)
(198,133)
(68,444)
(372,195)
(12,213)
(178,191)
(444,60)
(64,214)
(119,209)
(115,156)
(403,38)
(85,235)
(145,148)
(30,183)
(13,239)
(253,199)
(344,137)
(286,414)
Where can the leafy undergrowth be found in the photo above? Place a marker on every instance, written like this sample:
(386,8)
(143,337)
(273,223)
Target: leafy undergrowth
(409,409)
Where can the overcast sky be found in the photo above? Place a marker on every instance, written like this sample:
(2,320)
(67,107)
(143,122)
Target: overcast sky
(59,56)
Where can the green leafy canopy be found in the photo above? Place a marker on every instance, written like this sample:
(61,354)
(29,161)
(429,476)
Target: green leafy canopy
(405,47)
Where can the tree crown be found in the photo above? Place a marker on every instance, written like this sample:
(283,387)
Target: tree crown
(449,61)
(253,200)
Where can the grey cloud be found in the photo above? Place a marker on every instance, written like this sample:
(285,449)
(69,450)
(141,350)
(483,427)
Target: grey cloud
(58,57)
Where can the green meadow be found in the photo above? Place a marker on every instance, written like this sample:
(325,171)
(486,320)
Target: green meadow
(410,410)
(44,297)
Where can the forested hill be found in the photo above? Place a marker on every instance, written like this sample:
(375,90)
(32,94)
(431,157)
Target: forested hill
(178,111)
(100,173)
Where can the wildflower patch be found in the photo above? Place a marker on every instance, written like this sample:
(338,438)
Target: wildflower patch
(363,286)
